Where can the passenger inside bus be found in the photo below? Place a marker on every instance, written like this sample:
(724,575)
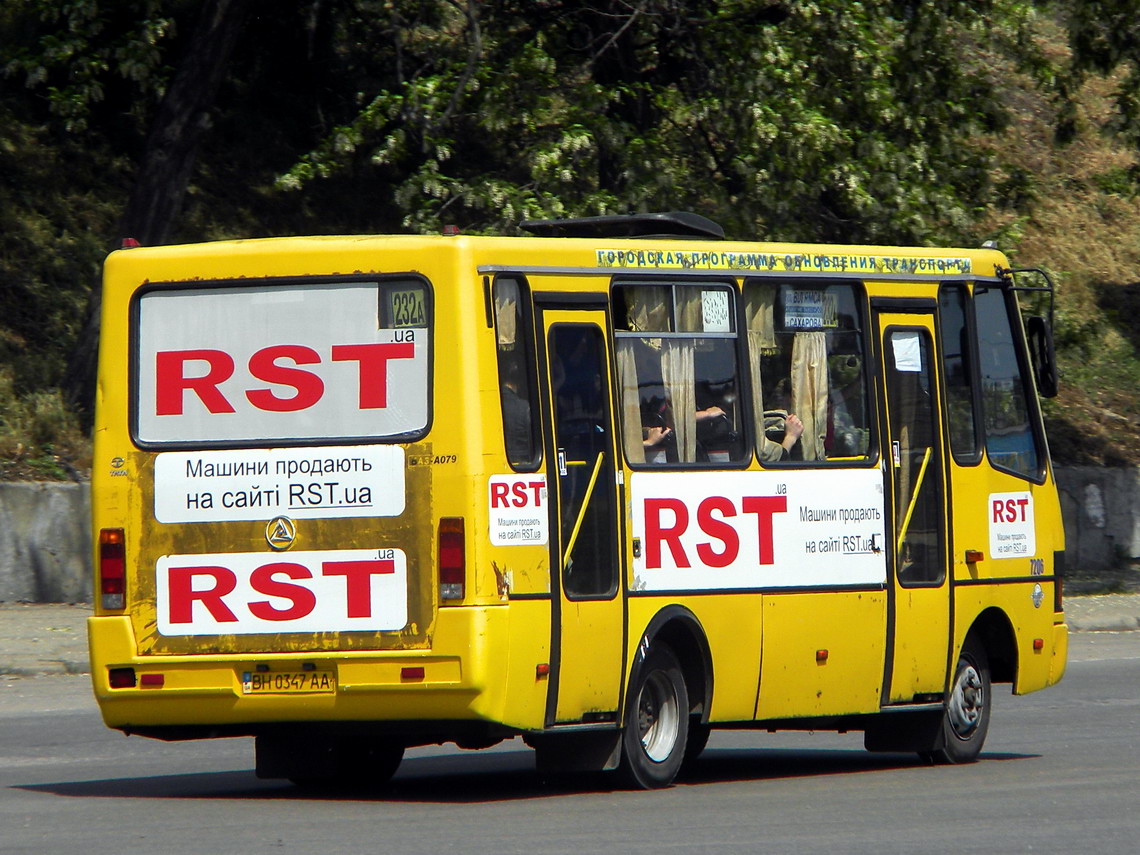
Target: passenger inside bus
(805,347)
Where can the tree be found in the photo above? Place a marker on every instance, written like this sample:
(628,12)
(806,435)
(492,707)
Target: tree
(1104,36)
(823,120)
(167,163)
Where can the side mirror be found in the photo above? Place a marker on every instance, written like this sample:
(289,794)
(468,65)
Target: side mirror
(1039,336)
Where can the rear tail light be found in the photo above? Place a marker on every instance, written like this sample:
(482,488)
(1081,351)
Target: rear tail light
(452,558)
(112,569)
(121,678)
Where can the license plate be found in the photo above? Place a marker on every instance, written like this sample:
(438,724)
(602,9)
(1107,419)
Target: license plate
(288,683)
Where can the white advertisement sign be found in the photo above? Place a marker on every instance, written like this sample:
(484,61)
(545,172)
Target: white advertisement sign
(1013,531)
(352,590)
(733,530)
(518,509)
(283,362)
(262,483)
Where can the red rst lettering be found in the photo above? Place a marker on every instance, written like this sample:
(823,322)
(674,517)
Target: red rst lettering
(183,595)
(997,508)
(655,533)
(263,365)
(537,486)
(262,581)
(765,507)
(519,489)
(719,529)
(1022,503)
(499,495)
(171,382)
(373,359)
(358,579)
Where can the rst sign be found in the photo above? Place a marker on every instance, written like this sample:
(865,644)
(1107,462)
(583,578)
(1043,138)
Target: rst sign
(1013,528)
(277,362)
(255,592)
(751,530)
(517,509)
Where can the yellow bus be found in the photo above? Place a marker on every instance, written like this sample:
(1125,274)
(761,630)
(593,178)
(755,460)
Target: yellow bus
(606,487)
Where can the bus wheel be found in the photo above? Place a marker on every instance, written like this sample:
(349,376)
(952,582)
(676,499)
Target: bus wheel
(695,744)
(657,722)
(967,716)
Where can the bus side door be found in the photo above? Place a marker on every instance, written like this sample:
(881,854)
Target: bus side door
(588,623)
(919,614)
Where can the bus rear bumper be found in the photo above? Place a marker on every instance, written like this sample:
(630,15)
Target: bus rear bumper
(232,690)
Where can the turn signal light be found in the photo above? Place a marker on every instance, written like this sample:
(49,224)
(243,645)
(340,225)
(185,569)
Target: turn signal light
(452,558)
(112,569)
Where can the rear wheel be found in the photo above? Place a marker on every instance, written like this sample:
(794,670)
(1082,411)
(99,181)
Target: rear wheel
(967,717)
(697,740)
(657,722)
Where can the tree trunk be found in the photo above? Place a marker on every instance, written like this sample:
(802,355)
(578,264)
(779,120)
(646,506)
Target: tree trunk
(167,164)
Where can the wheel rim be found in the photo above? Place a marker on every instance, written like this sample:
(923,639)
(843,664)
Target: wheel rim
(658,717)
(967,702)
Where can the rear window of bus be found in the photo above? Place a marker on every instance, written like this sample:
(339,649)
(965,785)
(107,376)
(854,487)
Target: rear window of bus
(311,361)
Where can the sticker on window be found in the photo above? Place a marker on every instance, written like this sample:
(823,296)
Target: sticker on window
(809,309)
(907,350)
(715,315)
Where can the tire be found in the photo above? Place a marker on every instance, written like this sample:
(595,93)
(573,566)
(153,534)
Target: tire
(695,743)
(657,722)
(967,717)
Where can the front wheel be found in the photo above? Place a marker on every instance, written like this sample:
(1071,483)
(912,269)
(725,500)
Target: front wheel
(967,716)
(657,722)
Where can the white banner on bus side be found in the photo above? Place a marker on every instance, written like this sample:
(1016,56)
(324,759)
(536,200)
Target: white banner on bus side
(518,509)
(1013,530)
(349,590)
(262,483)
(745,530)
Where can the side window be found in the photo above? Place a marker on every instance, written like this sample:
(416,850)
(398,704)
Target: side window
(1011,442)
(809,381)
(959,380)
(676,360)
(516,389)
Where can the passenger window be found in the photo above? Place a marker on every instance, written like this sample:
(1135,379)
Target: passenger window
(515,379)
(677,367)
(809,381)
(1011,442)
(959,380)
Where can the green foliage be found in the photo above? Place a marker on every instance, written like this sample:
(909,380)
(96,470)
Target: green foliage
(1104,37)
(39,434)
(819,120)
(826,120)
(74,52)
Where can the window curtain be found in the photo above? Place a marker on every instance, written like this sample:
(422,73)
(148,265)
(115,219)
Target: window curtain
(759,317)
(810,390)
(506,312)
(678,372)
(648,312)
(630,400)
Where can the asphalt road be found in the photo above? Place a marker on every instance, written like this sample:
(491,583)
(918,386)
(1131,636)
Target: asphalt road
(1060,773)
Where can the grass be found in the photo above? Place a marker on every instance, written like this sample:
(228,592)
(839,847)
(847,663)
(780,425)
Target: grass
(40,437)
